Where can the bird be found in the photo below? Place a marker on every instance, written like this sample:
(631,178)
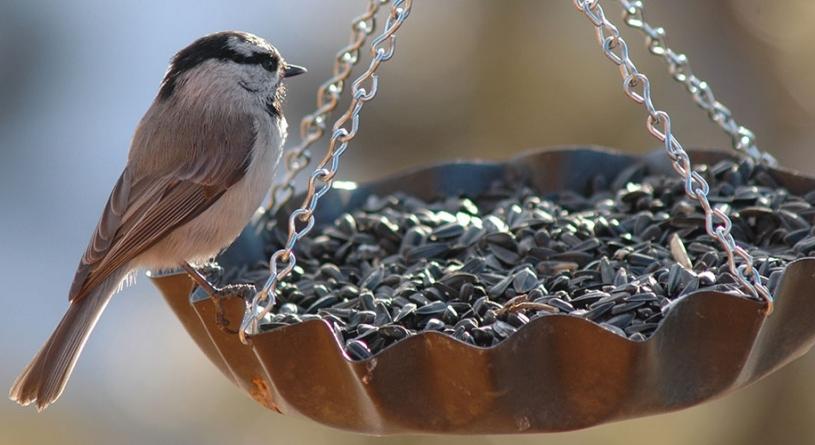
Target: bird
(201,161)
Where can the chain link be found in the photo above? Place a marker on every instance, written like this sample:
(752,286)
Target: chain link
(312,126)
(742,139)
(301,220)
(637,86)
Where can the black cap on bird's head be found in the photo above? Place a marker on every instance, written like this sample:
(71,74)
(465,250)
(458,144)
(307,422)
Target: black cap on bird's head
(234,46)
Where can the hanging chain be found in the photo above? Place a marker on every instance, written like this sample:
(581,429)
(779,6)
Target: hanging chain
(313,125)
(301,220)
(742,138)
(637,86)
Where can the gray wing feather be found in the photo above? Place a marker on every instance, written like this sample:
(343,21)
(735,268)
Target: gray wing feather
(145,207)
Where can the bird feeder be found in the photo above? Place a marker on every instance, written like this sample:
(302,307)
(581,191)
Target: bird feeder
(557,372)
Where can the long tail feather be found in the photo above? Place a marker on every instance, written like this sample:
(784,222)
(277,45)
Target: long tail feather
(44,379)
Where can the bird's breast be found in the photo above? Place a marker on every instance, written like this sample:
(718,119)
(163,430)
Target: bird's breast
(218,226)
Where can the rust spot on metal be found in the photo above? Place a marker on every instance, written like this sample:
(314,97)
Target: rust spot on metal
(263,395)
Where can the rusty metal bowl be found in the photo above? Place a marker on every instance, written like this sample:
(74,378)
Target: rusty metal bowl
(557,373)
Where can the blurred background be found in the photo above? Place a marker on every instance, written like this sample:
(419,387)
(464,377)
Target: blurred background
(471,78)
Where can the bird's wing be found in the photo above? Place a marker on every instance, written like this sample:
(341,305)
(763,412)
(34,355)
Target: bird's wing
(143,209)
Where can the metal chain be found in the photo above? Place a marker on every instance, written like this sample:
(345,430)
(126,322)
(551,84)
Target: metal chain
(320,182)
(312,126)
(637,86)
(742,138)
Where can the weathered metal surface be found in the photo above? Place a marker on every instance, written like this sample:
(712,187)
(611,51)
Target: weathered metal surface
(556,373)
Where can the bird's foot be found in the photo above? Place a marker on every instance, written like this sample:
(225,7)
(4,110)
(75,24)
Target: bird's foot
(210,269)
(244,291)
(217,295)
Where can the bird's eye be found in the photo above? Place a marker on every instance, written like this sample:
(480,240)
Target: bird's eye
(270,65)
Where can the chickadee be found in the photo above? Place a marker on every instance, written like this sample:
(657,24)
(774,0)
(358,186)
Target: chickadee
(200,164)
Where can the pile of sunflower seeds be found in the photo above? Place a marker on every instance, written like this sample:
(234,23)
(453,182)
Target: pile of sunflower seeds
(479,268)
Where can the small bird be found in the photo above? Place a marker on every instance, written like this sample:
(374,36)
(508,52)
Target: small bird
(200,163)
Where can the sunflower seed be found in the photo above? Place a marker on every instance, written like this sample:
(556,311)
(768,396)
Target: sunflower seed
(680,255)
(399,265)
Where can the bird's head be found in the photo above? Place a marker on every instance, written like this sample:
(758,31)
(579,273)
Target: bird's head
(230,60)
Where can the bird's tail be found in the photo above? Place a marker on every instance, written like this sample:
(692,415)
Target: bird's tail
(44,379)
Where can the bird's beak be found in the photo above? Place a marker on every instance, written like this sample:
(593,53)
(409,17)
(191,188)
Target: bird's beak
(293,70)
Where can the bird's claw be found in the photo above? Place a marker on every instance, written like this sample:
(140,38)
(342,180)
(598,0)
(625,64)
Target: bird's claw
(244,291)
(218,294)
(210,269)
